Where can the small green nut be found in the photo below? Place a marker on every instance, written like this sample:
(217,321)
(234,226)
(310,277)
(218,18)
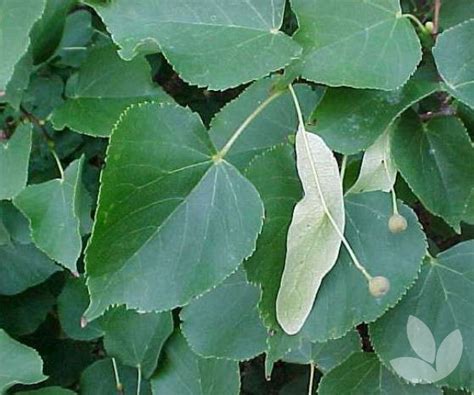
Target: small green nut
(397,223)
(379,286)
(429,26)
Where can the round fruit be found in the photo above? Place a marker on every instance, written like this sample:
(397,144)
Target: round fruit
(397,223)
(379,286)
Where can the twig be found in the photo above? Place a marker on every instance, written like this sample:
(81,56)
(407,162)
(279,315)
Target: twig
(437,7)
(49,141)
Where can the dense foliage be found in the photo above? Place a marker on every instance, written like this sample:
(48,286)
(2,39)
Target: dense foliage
(219,197)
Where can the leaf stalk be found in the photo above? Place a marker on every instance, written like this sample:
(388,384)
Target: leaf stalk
(222,153)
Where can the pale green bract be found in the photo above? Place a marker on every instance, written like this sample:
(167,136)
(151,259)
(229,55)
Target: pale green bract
(378,172)
(172,220)
(362,44)
(454,56)
(19,363)
(203,39)
(14,159)
(313,242)
(53,209)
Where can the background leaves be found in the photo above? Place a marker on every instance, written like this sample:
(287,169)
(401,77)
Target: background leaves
(177,130)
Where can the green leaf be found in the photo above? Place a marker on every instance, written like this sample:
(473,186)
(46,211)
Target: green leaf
(454,57)
(454,12)
(72,302)
(202,40)
(351,120)
(19,81)
(326,355)
(77,33)
(47,32)
(313,240)
(378,171)
(47,391)
(14,159)
(22,314)
(4,234)
(363,374)
(18,17)
(23,266)
(136,339)
(356,43)
(280,192)
(225,322)
(98,93)
(44,93)
(184,222)
(15,223)
(99,378)
(273,126)
(24,363)
(183,372)
(53,211)
(442,299)
(394,256)
(435,158)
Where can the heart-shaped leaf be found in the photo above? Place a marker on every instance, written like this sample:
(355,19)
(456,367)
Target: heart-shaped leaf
(443,299)
(24,363)
(436,159)
(185,372)
(363,372)
(14,159)
(356,43)
(23,266)
(53,211)
(325,355)
(203,39)
(18,17)
(185,221)
(350,120)
(225,323)
(98,93)
(454,56)
(136,339)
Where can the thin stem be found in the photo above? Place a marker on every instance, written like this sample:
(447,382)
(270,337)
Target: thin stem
(139,379)
(47,137)
(343,167)
(118,383)
(437,7)
(249,119)
(311,379)
(417,21)
(394,201)
(321,196)
(58,163)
